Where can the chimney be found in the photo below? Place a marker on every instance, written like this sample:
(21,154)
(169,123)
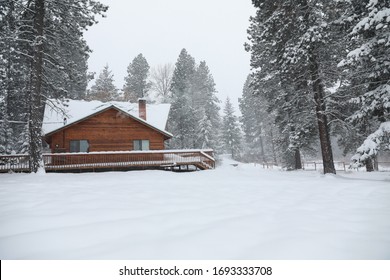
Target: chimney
(142,108)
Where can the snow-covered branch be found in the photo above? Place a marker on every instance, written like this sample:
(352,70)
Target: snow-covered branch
(376,141)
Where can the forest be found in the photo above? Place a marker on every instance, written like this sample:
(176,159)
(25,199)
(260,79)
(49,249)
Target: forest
(320,78)
(321,71)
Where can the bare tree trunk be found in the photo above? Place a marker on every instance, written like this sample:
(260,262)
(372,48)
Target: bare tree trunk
(323,129)
(36,104)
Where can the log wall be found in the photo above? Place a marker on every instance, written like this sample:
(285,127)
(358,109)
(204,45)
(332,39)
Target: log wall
(110,130)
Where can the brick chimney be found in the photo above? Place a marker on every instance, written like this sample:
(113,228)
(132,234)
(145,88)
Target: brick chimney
(142,108)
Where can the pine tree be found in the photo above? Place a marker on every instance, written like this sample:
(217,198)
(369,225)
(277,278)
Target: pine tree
(14,73)
(206,134)
(136,84)
(183,73)
(368,67)
(258,126)
(294,35)
(182,121)
(104,88)
(194,118)
(6,84)
(205,102)
(375,142)
(5,137)
(66,73)
(231,134)
(42,55)
(285,96)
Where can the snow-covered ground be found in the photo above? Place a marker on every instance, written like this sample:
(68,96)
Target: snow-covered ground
(242,212)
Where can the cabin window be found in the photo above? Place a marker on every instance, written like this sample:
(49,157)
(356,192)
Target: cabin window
(79,146)
(141,145)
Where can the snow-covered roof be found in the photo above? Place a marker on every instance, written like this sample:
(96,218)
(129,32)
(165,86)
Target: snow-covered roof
(76,110)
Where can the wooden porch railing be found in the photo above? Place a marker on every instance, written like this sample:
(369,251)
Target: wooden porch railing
(137,159)
(15,163)
(167,159)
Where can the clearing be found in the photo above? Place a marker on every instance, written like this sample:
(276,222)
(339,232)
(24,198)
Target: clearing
(242,212)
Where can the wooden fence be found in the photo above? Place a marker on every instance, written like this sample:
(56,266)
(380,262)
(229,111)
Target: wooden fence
(343,166)
(339,166)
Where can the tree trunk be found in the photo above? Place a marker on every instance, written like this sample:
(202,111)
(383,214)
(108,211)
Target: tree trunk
(298,162)
(8,81)
(36,104)
(273,148)
(262,145)
(369,165)
(376,164)
(323,129)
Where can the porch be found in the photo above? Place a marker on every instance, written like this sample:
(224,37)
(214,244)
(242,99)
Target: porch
(111,161)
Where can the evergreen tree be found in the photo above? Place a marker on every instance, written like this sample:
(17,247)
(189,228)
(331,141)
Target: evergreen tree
(231,134)
(14,74)
(206,134)
(136,84)
(368,66)
(258,126)
(5,137)
(183,73)
(194,118)
(378,140)
(35,93)
(104,88)
(182,121)
(66,74)
(205,102)
(44,47)
(5,83)
(285,97)
(294,35)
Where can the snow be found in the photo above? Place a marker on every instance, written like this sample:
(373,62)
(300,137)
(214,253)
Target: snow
(232,212)
(374,18)
(381,16)
(74,110)
(372,144)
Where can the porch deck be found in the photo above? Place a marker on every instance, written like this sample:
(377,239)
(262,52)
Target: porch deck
(125,160)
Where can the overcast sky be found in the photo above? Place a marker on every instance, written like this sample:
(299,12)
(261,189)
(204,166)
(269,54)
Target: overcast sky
(210,30)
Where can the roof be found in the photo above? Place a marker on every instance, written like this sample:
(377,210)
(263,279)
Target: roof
(77,110)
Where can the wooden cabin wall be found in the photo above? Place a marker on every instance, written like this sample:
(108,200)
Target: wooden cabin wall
(109,131)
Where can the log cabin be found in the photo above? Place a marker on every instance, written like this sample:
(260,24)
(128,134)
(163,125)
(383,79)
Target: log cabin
(95,136)
(83,127)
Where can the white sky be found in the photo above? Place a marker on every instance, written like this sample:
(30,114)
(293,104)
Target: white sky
(210,30)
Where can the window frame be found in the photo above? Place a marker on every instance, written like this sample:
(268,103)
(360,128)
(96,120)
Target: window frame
(142,145)
(78,146)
